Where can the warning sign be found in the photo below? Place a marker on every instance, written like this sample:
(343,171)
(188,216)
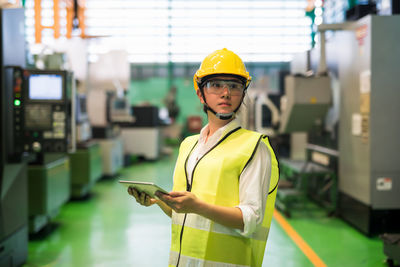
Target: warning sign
(384,184)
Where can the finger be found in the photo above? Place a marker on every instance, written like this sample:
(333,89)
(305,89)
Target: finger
(135,194)
(167,199)
(147,200)
(177,194)
(142,197)
(171,202)
(153,201)
(160,195)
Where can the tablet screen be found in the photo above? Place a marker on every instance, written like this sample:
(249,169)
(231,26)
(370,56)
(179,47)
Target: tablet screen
(147,187)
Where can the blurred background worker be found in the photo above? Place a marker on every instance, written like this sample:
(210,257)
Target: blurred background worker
(225,179)
(171,104)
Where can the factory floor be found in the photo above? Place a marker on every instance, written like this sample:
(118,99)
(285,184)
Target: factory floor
(109,229)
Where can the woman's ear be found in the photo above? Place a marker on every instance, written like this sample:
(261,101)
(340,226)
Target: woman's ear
(200,96)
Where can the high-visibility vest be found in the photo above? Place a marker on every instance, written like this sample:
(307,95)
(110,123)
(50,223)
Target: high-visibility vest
(198,241)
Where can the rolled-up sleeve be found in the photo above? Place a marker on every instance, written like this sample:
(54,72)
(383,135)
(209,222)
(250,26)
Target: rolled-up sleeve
(253,189)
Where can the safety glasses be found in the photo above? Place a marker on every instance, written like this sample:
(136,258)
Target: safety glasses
(217,87)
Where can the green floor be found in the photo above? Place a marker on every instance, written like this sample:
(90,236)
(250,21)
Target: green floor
(110,229)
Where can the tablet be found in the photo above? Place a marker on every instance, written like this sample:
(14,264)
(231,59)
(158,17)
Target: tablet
(147,187)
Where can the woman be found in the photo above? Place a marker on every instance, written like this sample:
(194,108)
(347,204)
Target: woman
(225,179)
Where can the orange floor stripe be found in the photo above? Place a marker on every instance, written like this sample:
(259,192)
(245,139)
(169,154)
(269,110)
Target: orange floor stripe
(304,247)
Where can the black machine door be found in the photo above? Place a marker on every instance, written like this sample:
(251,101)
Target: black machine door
(13,182)
(12,54)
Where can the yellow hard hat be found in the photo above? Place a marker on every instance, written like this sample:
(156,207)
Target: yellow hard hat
(221,61)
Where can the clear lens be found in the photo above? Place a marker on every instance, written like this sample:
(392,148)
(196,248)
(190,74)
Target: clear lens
(217,87)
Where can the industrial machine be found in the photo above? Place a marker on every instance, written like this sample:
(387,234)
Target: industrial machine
(362,61)
(44,128)
(105,132)
(267,115)
(368,59)
(142,137)
(306,101)
(83,129)
(391,248)
(86,160)
(120,110)
(304,106)
(45,120)
(86,168)
(13,167)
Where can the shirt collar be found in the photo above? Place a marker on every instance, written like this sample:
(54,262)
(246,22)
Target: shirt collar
(221,132)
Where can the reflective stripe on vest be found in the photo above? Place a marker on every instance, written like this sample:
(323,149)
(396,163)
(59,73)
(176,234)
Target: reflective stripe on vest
(204,242)
(189,261)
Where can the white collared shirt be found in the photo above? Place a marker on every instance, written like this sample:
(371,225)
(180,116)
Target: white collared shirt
(254,180)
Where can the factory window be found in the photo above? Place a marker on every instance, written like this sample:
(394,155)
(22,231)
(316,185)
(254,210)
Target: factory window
(162,31)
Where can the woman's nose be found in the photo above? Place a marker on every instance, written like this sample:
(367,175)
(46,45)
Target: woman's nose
(226,90)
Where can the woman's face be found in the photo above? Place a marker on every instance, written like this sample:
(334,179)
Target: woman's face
(221,94)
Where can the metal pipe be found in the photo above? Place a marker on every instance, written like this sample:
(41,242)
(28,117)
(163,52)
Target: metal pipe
(322,68)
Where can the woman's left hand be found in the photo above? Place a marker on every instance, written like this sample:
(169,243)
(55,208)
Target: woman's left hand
(181,202)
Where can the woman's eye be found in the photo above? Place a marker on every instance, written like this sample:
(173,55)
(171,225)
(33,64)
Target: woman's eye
(217,85)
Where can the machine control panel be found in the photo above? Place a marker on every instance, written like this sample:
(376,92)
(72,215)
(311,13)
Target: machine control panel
(17,83)
(41,110)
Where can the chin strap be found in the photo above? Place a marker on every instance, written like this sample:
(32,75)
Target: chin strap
(221,116)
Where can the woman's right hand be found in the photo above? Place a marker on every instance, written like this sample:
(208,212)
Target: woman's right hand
(141,198)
